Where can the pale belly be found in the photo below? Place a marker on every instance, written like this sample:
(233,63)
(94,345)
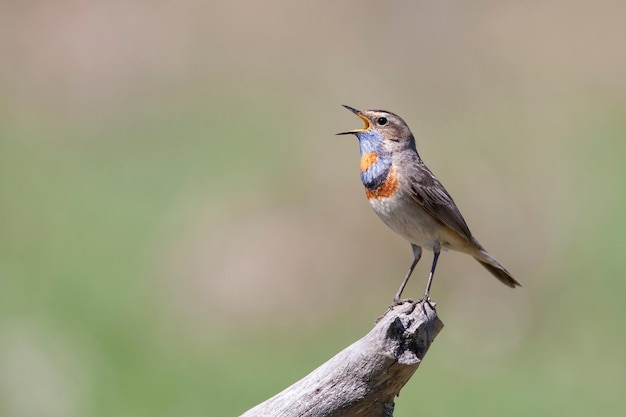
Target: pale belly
(408,219)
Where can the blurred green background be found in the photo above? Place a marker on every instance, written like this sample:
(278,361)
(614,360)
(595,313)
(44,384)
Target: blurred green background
(181,233)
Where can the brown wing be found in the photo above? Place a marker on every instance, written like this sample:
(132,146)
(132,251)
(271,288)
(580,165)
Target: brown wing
(428,192)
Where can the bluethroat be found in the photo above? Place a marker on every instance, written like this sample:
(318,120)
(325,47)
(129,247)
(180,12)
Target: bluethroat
(409,199)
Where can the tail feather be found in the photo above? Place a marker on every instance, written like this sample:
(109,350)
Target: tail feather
(492,265)
(502,274)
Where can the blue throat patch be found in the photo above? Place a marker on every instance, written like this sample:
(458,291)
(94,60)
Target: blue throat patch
(371,141)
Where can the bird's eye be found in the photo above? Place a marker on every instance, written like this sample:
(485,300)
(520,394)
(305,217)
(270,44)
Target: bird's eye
(381,121)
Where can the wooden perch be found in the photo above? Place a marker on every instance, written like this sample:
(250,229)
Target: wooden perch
(363,379)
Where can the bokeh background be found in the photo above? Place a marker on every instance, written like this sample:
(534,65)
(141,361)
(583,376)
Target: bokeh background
(181,233)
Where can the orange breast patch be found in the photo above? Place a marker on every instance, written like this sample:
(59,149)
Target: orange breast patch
(367,160)
(387,189)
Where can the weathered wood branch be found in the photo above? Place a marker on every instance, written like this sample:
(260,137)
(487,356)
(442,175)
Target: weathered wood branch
(363,379)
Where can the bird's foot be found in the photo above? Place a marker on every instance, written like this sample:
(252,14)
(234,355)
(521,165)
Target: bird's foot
(411,302)
(427,300)
(398,301)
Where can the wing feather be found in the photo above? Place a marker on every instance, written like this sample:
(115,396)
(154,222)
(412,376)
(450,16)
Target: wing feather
(428,192)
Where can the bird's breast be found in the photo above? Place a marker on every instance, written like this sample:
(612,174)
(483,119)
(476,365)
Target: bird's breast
(378,175)
(386,189)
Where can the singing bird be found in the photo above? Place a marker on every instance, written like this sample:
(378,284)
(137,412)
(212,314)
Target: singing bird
(408,197)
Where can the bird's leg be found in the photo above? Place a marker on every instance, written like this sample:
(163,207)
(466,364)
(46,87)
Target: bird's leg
(417,254)
(426,298)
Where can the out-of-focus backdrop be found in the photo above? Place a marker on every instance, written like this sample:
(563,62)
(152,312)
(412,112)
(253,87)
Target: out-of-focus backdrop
(181,233)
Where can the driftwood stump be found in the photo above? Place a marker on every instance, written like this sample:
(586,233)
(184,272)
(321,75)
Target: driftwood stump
(363,379)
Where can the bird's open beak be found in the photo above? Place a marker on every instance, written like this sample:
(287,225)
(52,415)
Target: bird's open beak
(358,113)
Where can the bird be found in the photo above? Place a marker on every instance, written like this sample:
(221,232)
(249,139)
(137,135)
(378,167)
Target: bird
(410,200)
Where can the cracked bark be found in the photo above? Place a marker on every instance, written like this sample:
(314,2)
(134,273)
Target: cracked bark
(364,378)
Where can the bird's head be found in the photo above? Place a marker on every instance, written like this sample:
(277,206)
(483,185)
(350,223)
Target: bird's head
(383,130)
